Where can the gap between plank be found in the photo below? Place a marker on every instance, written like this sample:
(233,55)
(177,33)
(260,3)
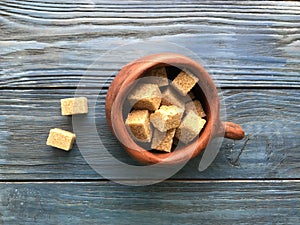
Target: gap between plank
(105,88)
(259,180)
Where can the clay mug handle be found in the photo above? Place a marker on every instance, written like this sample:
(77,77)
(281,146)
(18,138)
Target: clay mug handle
(232,130)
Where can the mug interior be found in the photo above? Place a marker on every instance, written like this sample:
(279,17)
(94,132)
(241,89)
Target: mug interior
(199,95)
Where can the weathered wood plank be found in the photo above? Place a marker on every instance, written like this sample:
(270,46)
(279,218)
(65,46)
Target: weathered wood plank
(52,44)
(270,117)
(240,202)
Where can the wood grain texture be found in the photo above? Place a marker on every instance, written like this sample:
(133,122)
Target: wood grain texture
(270,119)
(167,203)
(53,43)
(48,48)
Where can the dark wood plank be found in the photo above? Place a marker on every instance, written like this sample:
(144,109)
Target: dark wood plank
(227,202)
(269,117)
(53,43)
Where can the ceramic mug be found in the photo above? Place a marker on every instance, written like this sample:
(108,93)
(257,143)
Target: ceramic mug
(214,127)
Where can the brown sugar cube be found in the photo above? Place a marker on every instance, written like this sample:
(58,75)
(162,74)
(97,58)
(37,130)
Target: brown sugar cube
(196,107)
(162,141)
(145,96)
(170,97)
(159,76)
(139,125)
(184,82)
(61,139)
(166,117)
(190,127)
(71,106)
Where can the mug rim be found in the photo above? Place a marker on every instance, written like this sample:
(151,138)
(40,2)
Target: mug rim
(135,70)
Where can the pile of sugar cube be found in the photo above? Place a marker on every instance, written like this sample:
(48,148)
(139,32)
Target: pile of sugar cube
(165,112)
(62,139)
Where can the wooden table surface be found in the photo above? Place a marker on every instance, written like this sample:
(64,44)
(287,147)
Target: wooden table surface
(251,47)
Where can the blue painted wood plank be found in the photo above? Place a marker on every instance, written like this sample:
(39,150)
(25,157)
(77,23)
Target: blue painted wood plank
(52,44)
(205,202)
(269,117)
